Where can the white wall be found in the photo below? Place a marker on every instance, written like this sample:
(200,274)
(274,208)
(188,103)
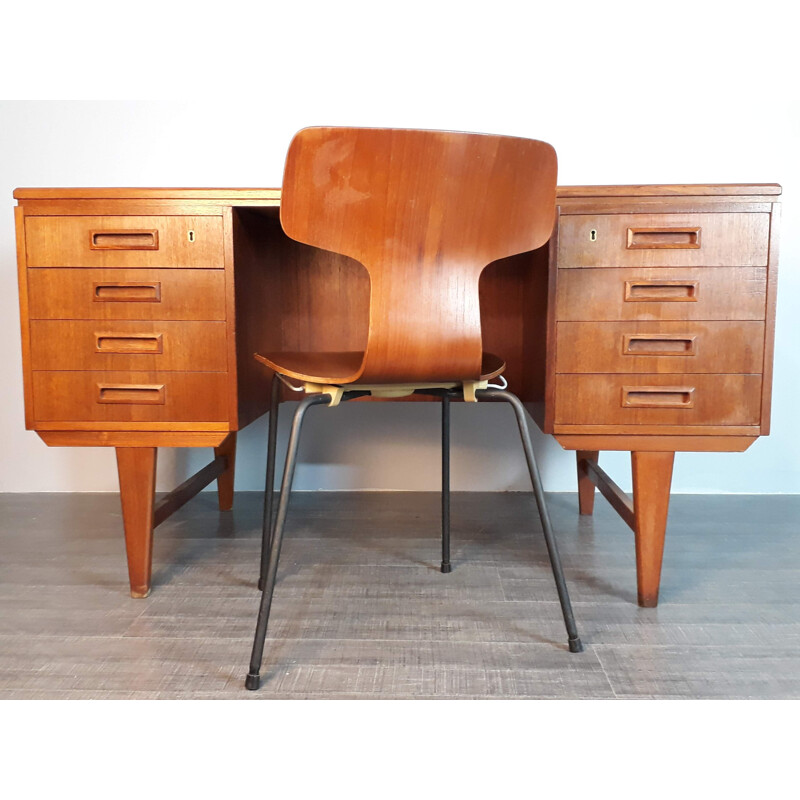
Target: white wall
(626,92)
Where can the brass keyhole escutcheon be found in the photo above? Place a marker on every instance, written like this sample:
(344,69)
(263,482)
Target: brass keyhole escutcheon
(190,236)
(592,235)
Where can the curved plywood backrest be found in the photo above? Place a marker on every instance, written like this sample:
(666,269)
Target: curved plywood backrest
(424,212)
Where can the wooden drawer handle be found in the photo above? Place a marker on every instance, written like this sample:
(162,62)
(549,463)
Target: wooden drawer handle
(661,291)
(657,397)
(130,394)
(123,240)
(126,292)
(129,343)
(664,238)
(662,344)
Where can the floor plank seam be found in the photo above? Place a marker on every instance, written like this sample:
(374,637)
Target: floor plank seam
(605,672)
(349,640)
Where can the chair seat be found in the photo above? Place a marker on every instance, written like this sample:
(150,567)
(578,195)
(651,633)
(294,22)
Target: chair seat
(342,367)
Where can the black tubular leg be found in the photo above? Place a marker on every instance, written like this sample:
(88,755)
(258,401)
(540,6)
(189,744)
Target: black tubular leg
(446,567)
(575,645)
(269,494)
(253,680)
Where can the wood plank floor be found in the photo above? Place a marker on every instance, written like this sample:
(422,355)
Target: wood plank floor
(361,610)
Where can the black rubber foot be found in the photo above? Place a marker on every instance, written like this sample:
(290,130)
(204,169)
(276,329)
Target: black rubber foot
(575,646)
(447,568)
(252,682)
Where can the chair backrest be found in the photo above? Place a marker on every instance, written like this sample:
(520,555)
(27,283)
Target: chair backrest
(424,212)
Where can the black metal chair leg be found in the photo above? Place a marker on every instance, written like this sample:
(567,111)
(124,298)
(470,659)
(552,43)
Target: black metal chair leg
(253,679)
(575,645)
(446,566)
(266,527)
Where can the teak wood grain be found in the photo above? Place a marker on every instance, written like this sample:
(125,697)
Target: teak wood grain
(769,333)
(140,294)
(137,485)
(664,240)
(652,478)
(733,293)
(585,483)
(662,347)
(72,396)
(25,334)
(128,438)
(178,241)
(225,480)
(137,345)
(424,212)
(660,439)
(305,300)
(656,399)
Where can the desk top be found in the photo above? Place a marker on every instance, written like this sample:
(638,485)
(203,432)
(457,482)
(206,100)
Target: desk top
(272,196)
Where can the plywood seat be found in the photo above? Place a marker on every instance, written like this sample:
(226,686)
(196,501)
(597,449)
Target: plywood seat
(344,368)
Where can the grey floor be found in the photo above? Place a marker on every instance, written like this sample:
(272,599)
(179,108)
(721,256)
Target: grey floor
(361,610)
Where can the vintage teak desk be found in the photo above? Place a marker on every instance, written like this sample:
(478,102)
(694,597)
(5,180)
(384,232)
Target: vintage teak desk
(646,324)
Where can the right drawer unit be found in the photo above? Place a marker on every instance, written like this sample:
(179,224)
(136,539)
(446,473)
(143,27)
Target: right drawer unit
(660,321)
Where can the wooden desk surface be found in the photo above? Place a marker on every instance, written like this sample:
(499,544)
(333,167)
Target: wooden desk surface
(271,195)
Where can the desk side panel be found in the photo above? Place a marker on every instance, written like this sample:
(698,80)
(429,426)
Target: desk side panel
(24,317)
(512,311)
(257,310)
(769,334)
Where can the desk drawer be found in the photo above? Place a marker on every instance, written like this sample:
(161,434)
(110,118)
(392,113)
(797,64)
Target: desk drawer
(663,240)
(663,347)
(642,293)
(124,242)
(130,396)
(635,399)
(110,294)
(128,345)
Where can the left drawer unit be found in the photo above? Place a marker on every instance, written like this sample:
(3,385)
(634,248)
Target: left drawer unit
(125,319)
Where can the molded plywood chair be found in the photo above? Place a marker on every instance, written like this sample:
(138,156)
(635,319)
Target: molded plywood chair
(424,212)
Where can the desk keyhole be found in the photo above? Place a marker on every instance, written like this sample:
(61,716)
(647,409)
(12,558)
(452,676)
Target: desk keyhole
(191,236)
(592,235)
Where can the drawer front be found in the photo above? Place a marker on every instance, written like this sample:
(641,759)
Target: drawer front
(663,240)
(127,345)
(662,347)
(634,399)
(130,396)
(126,294)
(734,293)
(124,242)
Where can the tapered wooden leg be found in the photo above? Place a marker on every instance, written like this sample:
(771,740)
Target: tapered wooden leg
(652,477)
(585,485)
(137,485)
(225,481)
